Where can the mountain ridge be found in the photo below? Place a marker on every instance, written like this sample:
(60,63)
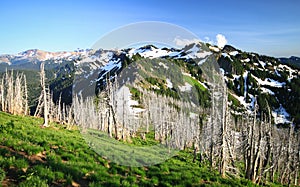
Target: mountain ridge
(250,77)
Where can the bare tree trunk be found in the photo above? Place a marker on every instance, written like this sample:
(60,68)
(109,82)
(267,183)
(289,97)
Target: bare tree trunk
(2,97)
(25,100)
(212,130)
(224,155)
(46,107)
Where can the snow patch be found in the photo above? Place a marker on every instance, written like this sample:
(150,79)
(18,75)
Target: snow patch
(215,49)
(226,55)
(233,53)
(247,105)
(125,103)
(281,116)
(277,73)
(202,61)
(222,71)
(245,76)
(195,52)
(291,71)
(186,87)
(269,82)
(169,83)
(266,90)
(245,60)
(152,52)
(163,65)
(263,64)
(236,77)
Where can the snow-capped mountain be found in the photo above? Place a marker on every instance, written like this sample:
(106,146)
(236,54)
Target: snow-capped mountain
(264,80)
(251,78)
(36,55)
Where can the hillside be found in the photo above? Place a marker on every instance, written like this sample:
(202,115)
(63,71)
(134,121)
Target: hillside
(237,111)
(250,77)
(34,156)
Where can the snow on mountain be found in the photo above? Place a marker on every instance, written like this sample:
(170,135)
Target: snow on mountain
(153,52)
(281,116)
(125,103)
(245,60)
(186,87)
(266,90)
(269,82)
(215,49)
(263,64)
(36,55)
(169,83)
(233,53)
(245,76)
(247,73)
(196,52)
(292,73)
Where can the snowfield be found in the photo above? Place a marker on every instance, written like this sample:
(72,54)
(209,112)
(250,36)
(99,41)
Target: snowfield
(245,60)
(152,52)
(281,116)
(169,83)
(269,82)
(125,104)
(233,53)
(186,87)
(266,90)
(195,52)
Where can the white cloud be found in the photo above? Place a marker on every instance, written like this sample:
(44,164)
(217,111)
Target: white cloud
(221,40)
(183,42)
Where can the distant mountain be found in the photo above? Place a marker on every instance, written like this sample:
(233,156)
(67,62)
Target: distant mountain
(293,60)
(32,58)
(251,78)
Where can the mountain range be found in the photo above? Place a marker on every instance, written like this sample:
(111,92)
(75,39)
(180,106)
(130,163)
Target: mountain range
(253,80)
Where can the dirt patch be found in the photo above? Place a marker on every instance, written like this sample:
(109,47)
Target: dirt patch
(41,157)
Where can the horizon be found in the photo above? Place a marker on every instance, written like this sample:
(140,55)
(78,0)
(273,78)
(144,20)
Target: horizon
(267,28)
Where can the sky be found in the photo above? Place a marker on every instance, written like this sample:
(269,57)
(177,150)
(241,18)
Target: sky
(262,26)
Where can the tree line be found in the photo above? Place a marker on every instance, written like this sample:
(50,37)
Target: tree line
(244,145)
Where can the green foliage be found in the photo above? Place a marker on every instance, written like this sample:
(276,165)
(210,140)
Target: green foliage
(126,61)
(194,82)
(34,181)
(290,99)
(69,159)
(162,88)
(135,94)
(136,57)
(2,175)
(238,67)
(239,86)
(234,101)
(61,84)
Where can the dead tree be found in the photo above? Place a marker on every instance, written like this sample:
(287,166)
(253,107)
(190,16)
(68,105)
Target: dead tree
(44,99)
(13,93)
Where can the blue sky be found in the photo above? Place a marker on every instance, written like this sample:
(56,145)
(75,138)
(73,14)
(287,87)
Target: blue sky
(266,27)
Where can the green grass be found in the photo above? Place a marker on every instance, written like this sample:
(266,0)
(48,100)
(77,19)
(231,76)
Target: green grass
(193,82)
(34,156)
